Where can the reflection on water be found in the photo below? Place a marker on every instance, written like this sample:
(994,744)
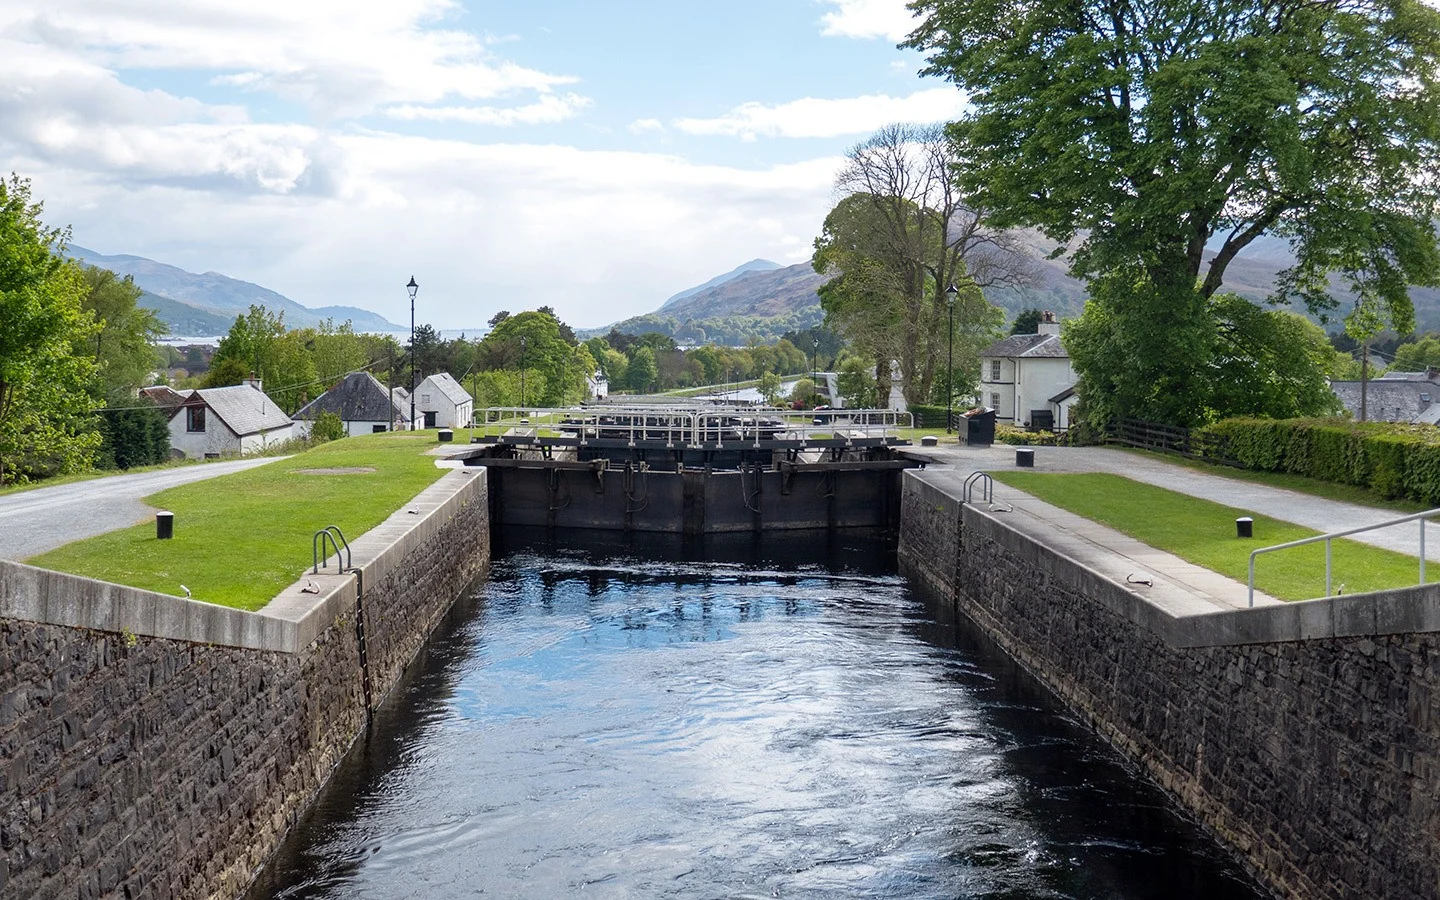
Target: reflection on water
(780,718)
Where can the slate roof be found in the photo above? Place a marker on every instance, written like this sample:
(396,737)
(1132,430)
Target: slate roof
(243,408)
(1027,346)
(446,384)
(1389,399)
(359,397)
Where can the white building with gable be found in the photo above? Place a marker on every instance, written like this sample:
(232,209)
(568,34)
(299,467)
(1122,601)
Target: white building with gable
(1028,380)
(237,420)
(443,402)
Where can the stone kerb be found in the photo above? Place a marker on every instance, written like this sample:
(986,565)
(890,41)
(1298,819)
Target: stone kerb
(1180,621)
(289,623)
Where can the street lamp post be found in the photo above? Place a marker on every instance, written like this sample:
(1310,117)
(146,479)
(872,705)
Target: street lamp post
(413,288)
(815,366)
(522,370)
(950,293)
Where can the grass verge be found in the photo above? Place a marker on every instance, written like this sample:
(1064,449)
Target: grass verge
(1203,533)
(241,538)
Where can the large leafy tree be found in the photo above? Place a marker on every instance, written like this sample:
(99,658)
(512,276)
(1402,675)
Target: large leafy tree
(902,234)
(44,426)
(555,369)
(1162,137)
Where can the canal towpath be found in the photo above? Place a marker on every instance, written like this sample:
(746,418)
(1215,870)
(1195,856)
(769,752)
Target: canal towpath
(956,463)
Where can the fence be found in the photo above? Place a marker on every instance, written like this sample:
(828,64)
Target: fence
(1186,442)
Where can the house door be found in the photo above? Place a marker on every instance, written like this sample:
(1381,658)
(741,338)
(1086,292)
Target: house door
(430,419)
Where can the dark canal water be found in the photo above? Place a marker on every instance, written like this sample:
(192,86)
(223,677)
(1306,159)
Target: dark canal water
(773,719)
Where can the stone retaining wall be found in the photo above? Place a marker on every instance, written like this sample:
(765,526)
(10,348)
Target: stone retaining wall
(1305,736)
(156,747)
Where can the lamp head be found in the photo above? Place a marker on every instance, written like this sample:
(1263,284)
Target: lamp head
(412,287)
(951,293)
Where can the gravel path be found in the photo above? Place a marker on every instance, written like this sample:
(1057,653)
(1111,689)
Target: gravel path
(42,519)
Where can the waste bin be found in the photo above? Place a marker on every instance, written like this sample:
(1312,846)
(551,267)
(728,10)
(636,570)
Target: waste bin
(979,426)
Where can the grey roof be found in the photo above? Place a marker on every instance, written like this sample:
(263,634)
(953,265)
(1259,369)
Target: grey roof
(447,385)
(246,410)
(359,397)
(1063,395)
(1389,399)
(1027,346)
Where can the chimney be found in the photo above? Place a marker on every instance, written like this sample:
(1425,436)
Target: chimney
(255,383)
(1048,323)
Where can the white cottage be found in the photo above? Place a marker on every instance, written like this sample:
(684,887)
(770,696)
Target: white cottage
(1028,380)
(361,402)
(444,402)
(228,420)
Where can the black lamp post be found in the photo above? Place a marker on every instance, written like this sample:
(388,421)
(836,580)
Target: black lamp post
(950,294)
(413,288)
(522,370)
(815,366)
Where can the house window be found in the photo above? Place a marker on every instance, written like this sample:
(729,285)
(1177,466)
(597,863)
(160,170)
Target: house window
(994,370)
(195,418)
(994,401)
(376,429)
(424,398)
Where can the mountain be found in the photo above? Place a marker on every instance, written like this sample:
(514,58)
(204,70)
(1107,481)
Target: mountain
(207,304)
(764,301)
(754,265)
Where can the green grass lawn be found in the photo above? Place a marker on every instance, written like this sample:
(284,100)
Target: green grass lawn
(241,538)
(1203,533)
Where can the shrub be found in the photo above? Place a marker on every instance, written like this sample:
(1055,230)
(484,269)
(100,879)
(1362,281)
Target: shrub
(1009,434)
(328,427)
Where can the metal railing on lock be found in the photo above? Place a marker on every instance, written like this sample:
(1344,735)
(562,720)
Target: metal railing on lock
(1328,538)
(332,535)
(689,426)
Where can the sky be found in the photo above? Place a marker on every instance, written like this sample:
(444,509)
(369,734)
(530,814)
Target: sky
(592,156)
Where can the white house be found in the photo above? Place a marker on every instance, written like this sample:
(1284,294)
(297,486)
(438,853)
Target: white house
(444,402)
(598,385)
(238,420)
(361,402)
(1028,380)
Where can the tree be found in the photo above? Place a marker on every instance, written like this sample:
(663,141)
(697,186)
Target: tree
(137,435)
(1153,134)
(903,234)
(641,372)
(328,427)
(44,426)
(1027,321)
(124,334)
(770,388)
(554,368)
(258,343)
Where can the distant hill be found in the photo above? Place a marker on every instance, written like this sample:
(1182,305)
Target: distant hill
(754,265)
(753,301)
(207,304)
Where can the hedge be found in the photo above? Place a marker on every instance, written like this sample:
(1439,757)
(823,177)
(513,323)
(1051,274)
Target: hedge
(1394,460)
(929,416)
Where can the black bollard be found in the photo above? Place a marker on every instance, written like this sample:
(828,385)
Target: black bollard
(164,525)
(1244,527)
(1025,458)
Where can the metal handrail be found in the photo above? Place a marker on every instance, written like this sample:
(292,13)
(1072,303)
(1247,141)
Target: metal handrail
(987,486)
(332,535)
(692,425)
(1327,538)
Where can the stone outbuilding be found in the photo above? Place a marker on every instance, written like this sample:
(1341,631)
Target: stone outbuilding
(361,402)
(228,420)
(444,402)
(1028,380)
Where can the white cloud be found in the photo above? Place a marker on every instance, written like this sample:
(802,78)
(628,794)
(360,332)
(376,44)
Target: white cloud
(339,57)
(811,117)
(597,235)
(647,126)
(550,108)
(888,19)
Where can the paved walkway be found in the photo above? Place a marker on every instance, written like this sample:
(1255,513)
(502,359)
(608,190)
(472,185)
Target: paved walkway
(42,519)
(956,463)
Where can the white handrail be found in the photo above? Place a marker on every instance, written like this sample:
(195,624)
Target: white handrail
(1327,538)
